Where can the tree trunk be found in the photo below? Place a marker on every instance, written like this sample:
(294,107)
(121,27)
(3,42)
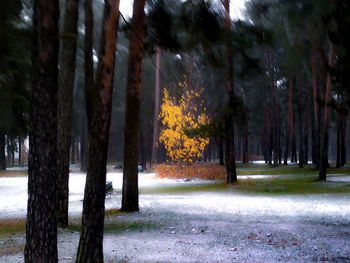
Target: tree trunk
(142,150)
(19,151)
(316,138)
(221,152)
(41,226)
(66,80)
(306,128)
(2,152)
(156,108)
(130,196)
(74,148)
(290,109)
(301,135)
(99,108)
(339,132)
(327,111)
(343,142)
(84,146)
(230,133)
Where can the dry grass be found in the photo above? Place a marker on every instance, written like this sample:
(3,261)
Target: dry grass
(13,173)
(206,171)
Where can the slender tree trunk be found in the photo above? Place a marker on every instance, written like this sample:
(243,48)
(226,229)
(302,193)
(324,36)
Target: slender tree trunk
(267,132)
(327,111)
(41,226)
(19,151)
(2,152)
(316,138)
(339,132)
(99,108)
(343,141)
(74,148)
(84,146)
(156,108)
(142,150)
(130,196)
(306,128)
(64,107)
(290,109)
(301,135)
(221,152)
(230,133)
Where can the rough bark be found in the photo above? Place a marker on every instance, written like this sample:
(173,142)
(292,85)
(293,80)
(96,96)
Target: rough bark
(41,226)
(99,108)
(327,111)
(2,152)
(156,108)
(130,196)
(229,125)
(64,107)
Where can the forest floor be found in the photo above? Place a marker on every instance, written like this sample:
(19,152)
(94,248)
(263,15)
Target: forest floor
(265,217)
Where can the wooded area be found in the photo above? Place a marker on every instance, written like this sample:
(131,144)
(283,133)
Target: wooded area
(179,83)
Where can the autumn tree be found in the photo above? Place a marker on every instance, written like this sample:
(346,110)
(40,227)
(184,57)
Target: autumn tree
(176,119)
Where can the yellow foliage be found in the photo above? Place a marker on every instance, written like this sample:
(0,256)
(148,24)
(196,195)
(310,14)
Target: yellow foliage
(176,118)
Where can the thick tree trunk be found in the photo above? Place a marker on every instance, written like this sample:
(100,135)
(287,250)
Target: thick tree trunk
(327,112)
(130,196)
(230,133)
(2,152)
(156,108)
(41,227)
(99,108)
(66,80)
(316,138)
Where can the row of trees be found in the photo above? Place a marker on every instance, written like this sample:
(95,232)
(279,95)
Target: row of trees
(265,82)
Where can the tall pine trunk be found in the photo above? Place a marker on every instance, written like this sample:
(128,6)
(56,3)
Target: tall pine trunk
(229,125)
(99,108)
(316,138)
(41,226)
(326,119)
(130,196)
(289,117)
(306,128)
(64,107)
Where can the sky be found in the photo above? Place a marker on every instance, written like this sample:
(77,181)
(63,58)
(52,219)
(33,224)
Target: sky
(236,7)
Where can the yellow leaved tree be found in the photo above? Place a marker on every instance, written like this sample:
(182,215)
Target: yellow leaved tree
(177,117)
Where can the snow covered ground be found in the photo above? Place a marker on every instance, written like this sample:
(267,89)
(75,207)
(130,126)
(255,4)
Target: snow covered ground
(204,226)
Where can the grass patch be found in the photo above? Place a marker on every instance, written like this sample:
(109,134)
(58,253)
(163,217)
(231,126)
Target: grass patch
(13,173)
(12,227)
(285,184)
(115,226)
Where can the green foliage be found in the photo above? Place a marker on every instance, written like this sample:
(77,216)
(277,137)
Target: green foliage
(14,69)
